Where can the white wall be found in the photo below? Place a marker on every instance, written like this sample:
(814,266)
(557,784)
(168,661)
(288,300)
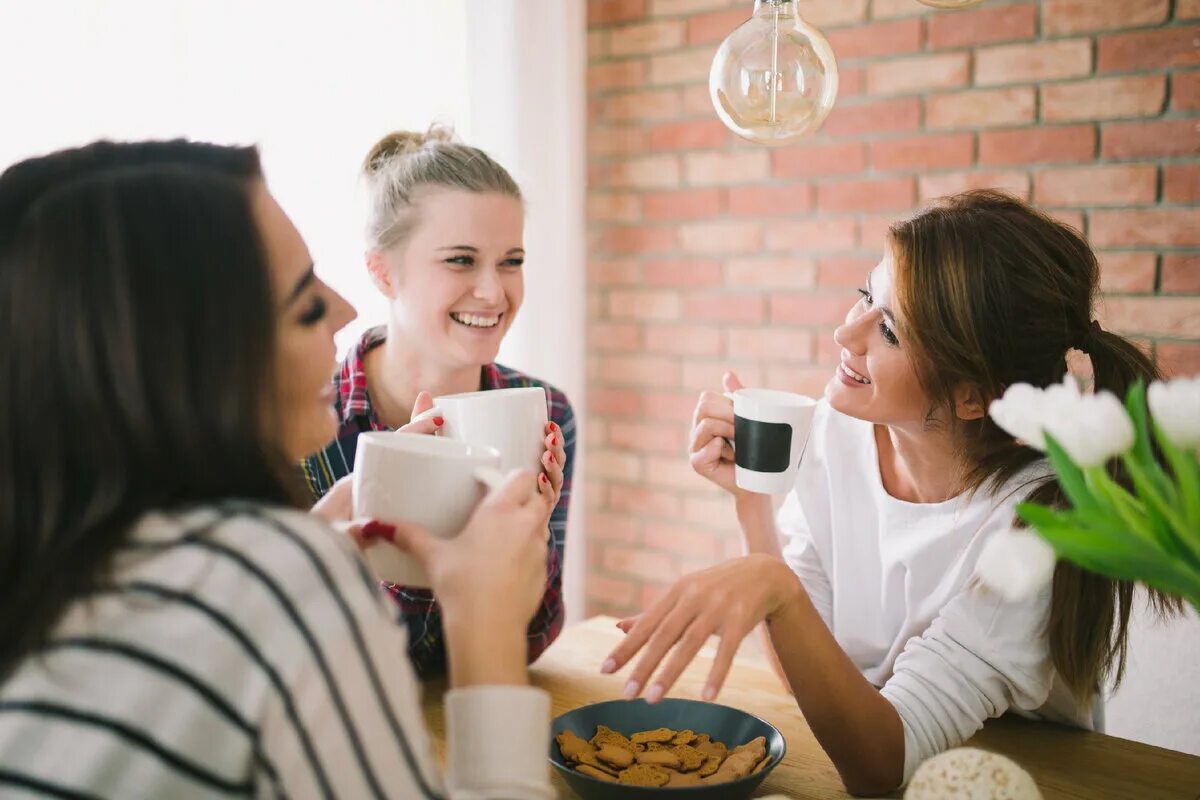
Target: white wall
(528,109)
(313,87)
(1159,700)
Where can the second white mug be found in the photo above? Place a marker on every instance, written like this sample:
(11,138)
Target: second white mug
(511,420)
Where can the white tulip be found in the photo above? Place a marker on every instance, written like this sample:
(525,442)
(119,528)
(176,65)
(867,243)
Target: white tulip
(1092,428)
(1016,563)
(1175,406)
(1018,412)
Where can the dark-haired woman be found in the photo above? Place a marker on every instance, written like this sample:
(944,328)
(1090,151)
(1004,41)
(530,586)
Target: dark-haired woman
(173,625)
(891,649)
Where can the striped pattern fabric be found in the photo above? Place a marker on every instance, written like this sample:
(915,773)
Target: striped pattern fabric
(244,651)
(418,608)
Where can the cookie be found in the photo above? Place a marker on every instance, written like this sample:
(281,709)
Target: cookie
(654,747)
(644,775)
(678,779)
(759,766)
(690,758)
(572,746)
(683,737)
(606,735)
(702,738)
(656,735)
(737,766)
(615,756)
(717,749)
(584,769)
(659,758)
(711,764)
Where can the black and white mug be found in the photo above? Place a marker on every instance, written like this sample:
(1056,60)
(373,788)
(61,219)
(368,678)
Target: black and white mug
(770,429)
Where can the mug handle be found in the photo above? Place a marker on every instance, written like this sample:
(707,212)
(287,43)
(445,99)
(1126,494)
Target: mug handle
(490,477)
(728,441)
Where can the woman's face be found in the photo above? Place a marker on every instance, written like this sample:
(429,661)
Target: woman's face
(308,314)
(456,283)
(876,380)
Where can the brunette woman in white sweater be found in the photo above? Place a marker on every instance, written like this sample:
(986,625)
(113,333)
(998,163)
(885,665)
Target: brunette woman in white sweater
(864,578)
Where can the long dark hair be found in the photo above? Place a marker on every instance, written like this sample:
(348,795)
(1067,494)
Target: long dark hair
(138,334)
(993,293)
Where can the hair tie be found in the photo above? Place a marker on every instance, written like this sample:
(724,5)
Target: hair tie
(1089,333)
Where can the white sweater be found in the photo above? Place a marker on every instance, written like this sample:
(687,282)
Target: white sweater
(244,650)
(892,580)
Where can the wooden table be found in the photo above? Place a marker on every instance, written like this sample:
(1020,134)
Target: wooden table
(1066,763)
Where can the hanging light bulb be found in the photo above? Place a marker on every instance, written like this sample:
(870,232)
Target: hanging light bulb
(774,79)
(950,3)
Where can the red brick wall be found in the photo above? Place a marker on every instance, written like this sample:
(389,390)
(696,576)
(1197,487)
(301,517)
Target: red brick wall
(707,252)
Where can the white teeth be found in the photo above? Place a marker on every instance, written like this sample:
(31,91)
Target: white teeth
(857,378)
(475,321)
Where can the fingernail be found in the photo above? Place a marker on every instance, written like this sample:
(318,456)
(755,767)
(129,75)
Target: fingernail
(631,689)
(554,441)
(608,666)
(709,693)
(379,530)
(553,426)
(552,461)
(438,421)
(654,694)
(542,478)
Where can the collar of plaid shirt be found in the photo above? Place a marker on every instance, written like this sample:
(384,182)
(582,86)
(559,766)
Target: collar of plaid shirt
(352,399)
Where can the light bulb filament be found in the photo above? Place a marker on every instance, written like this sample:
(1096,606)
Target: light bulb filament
(775,77)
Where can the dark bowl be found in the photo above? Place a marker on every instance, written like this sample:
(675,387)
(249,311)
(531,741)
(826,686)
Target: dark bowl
(722,723)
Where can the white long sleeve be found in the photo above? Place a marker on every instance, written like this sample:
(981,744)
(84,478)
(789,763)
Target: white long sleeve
(979,658)
(893,581)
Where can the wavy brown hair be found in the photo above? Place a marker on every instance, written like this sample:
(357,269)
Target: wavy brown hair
(992,292)
(139,331)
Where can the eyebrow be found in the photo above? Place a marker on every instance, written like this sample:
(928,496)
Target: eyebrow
(307,278)
(470,249)
(887,312)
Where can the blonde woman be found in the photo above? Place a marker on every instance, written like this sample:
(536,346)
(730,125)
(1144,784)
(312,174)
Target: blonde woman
(445,246)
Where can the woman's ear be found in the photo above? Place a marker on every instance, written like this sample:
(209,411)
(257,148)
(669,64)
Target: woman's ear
(381,276)
(968,403)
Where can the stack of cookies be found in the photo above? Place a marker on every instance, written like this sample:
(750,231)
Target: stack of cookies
(661,757)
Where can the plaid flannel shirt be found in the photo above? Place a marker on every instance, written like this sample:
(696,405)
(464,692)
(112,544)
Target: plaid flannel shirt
(418,608)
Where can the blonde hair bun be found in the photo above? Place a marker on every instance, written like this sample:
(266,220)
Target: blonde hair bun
(401,144)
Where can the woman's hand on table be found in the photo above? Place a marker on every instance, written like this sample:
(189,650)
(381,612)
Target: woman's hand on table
(728,600)
(554,460)
(709,447)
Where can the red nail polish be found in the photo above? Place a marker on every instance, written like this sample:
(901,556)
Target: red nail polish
(554,442)
(378,530)
(553,427)
(542,478)
(552,461)
(438,421)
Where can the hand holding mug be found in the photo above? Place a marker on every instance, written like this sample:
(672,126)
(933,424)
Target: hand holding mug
(710,447)
(554,460)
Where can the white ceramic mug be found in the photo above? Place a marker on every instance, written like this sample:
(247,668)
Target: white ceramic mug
(770,430)
(424,480)
(511,420)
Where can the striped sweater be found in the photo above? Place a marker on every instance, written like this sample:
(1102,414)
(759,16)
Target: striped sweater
(243,650)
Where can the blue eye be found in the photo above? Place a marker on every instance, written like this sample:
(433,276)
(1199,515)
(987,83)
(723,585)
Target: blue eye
(461,261)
